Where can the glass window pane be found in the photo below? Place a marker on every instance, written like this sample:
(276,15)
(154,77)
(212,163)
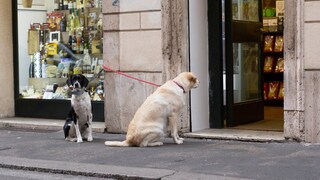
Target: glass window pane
(58,39)
(245,10)
(246,72)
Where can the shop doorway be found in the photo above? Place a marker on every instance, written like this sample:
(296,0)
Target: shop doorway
(242,71)
(248,72)
(272,68)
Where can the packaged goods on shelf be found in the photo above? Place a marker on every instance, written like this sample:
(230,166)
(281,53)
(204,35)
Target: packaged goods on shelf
(268,64)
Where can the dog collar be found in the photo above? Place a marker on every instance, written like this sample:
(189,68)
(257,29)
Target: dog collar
(179,86)
(77,92)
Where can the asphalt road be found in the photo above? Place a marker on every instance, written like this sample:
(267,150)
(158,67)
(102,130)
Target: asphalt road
(194,157)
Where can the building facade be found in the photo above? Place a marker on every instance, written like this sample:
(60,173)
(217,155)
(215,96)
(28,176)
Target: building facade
(156,39)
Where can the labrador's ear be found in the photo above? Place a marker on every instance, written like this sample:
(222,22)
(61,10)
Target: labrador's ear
(192,78)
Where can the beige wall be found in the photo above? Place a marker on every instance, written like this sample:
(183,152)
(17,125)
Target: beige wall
(311,54)
(302,70)
(132,44)
(6,61)
(147,39)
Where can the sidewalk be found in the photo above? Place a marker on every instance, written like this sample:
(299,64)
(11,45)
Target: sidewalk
(45,150)
(220,134)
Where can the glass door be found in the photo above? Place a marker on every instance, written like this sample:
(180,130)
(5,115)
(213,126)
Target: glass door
(244,99)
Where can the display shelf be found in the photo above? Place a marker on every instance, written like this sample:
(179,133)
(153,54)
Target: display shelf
(273,76)
(273,102)
(270,74)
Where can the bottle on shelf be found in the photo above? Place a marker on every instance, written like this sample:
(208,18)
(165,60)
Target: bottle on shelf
(94,65)
(66,4)
(61,5)
(76,20)
(78,67)
(86,62)
(78,39)
(44,68)
(70,41)
(56,5)
(82,19)
(70,4)
(31,67)
(63,24)
(74,43)
(71,21)
(74,4)
(81,44)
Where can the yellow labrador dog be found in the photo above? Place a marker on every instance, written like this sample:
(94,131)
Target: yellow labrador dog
(159,111)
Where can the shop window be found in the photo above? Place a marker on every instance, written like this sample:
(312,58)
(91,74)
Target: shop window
(58,38)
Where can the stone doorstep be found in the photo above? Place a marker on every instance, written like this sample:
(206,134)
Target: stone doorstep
(220,134)
(239,135)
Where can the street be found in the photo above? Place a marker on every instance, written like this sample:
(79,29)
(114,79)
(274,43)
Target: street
(195,158)
(8,174)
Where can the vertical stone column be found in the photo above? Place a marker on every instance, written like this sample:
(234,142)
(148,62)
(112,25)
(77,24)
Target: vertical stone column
(6,61)
(293,74)
(111,56)
(175,46)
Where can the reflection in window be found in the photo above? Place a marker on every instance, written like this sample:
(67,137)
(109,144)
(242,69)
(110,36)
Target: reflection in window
(246,74)
(245,10)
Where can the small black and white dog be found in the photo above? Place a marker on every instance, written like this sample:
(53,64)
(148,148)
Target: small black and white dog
(79,120)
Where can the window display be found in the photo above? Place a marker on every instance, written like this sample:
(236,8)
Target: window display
(67,40)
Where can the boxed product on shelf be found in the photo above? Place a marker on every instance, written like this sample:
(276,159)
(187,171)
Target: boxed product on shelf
(279,8)
(54,19)
(268,43)
(273,89)
(278,44)
(279,65)
(270,24)
(265,90)
(268,64)
(281,91)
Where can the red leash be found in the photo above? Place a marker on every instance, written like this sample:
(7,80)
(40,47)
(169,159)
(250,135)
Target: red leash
(128,76)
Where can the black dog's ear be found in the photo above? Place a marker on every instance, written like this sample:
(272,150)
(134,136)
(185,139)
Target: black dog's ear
(85,81)
(69,81)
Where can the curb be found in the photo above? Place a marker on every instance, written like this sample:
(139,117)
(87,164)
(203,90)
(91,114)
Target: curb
(103,171)
(83,169)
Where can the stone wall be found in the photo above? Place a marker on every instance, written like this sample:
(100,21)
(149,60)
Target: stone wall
(132,44)
(311,41)
(175,47)
(146,39)
(302,71)
(6,61)
(293,74)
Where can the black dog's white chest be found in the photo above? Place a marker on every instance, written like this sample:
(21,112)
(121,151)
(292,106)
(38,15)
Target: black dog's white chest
(82,106)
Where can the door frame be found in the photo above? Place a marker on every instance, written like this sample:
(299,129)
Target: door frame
(215,63)
(217,111)
(198,49)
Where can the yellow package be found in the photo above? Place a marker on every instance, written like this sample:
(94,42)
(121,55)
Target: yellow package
(52,49)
